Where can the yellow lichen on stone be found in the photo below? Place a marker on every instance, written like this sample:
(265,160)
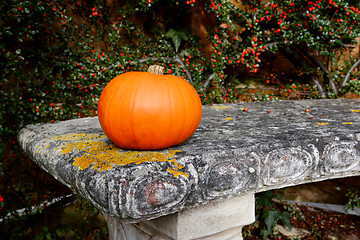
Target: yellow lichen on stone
(41,147)
(104,156)
(321,124)
(37,149)
(177,173)
(220,107)
(79,136)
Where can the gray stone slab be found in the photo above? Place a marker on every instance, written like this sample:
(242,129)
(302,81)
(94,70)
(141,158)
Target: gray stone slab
(233,153)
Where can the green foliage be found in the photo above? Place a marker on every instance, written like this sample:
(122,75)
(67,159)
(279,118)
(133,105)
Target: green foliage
(307,32)
(45,234)
(353,200)
(348,70)
(263,97)
(78,220)
(352,86)
(177,37)
(269,215)
(264,200)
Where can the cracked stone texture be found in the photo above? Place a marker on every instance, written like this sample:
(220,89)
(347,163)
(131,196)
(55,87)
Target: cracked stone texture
(233,152)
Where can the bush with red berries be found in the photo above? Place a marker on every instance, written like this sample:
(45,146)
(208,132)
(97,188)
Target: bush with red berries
(57,56)
(310,34)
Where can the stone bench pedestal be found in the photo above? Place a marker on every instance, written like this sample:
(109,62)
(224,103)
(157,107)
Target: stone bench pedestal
(216,220)
(203,188)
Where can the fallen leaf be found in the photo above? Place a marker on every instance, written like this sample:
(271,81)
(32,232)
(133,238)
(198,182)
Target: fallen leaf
(321,123)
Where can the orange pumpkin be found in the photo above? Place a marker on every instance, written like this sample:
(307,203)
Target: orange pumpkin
(148,110)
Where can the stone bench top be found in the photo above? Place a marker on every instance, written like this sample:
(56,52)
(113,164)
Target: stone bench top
(233,153)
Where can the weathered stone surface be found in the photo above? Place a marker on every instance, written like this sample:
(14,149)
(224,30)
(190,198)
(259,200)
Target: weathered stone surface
(233,153)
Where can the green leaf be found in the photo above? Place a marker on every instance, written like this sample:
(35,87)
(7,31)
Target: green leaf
(177,37)
(285,218)
(270,218)
(264,199)
(265,233)
(59,232)
(48,236)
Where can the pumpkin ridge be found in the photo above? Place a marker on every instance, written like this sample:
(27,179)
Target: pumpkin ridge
(195,101)
(171,111)
(110,99)
(142,137)
(104,103)
(133,116)
(185,110)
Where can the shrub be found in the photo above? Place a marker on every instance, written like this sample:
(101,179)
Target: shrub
(307,33)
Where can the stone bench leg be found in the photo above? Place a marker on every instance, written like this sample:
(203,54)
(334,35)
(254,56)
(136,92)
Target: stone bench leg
(219,220)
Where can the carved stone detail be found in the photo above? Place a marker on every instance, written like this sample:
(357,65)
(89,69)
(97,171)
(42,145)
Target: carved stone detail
(286,165)
(229,176)
(341,157)
(153,194)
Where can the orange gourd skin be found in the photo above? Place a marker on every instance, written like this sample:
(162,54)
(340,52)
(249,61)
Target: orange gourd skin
(147,111)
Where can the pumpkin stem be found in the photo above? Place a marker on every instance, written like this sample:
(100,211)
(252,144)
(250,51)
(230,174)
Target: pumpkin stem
(156,69)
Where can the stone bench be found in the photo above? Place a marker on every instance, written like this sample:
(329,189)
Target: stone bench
(203,188)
